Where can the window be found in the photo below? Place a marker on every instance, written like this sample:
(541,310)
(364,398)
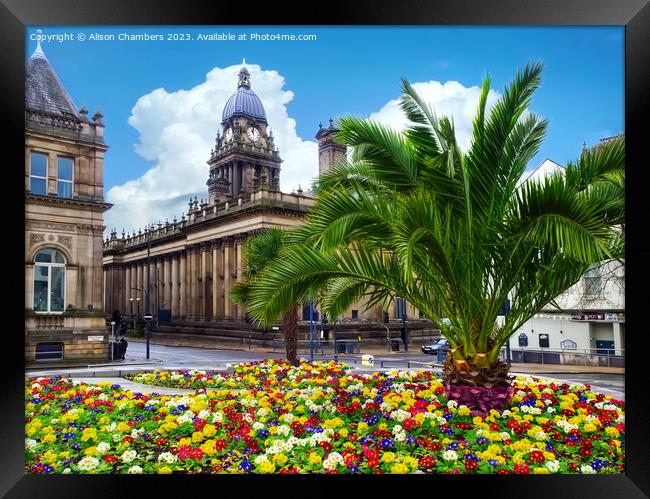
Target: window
(543,341)
(49,351)
(49,281)
(355,314)
(64,170)
(593,282)
(38,173)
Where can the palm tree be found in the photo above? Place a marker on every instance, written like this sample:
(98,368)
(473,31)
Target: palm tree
(259,252)
(413,215)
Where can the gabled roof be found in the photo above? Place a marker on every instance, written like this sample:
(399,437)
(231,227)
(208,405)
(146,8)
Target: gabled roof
(544,170)
(44,90)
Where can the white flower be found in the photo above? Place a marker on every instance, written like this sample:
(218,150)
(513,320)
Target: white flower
(261,459)
(452,404)
(217,417)
(283,430)
(587,469)
(111,427)
(88,463)
(550,410)
(261,412)
(103,447)
(332,461)
(135,470)
(541,436)
(288,418)
(67,471)
(553,466)
(203,414)
(129,455)
(400,437)
(257,426)
(30,444)
(117,437)
(168,457)
(506,413)
(450,455)
(505,435)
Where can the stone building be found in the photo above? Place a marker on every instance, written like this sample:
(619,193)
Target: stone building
(188,266)
(64,209)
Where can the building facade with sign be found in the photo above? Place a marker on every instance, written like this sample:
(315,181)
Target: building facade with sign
(64,209)
(588,318)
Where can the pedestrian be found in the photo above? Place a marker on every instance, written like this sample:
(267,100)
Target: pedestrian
(123,345)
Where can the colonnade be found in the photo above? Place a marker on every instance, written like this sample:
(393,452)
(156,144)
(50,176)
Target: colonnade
(193,282)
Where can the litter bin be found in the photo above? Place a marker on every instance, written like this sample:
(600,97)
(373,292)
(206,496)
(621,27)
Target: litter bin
(340,347)
(394,346)
(442,354)
(349,348)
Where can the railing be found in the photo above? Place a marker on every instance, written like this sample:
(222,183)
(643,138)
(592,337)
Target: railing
(603,357)
(321,346)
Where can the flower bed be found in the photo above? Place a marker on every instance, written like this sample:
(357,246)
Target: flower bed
(396,422)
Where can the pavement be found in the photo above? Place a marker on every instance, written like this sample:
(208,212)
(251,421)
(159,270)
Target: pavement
(381,351)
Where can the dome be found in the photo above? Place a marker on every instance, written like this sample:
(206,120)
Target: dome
(244,101)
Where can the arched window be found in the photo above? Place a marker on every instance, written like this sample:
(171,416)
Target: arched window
(49,281)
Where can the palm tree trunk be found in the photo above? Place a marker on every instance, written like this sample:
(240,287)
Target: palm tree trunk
(290,326)
(481,389)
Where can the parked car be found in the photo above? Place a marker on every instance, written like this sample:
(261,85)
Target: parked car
(433,348)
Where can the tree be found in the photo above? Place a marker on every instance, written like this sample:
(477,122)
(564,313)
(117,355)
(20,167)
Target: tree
(412,215)
(259,252)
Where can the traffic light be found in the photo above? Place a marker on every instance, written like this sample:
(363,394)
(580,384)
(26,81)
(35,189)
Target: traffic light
(386,317)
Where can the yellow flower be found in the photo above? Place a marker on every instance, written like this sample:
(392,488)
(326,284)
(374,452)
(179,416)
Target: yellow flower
(388,457)
(280,459)
(612,432)
(49,457)
(362,426)
(90,451)
(49,438)
(343,432)
(197,437)
(589,428)
(208,448)
(399,468)
(209,430)
(266,467)
(464,411)
(165,470)
(184,441)
(315,459)
(541,471)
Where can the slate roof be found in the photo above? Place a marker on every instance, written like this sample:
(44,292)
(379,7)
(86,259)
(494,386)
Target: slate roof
(44,90)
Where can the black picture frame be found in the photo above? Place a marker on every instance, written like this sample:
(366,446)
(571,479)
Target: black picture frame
(15,15)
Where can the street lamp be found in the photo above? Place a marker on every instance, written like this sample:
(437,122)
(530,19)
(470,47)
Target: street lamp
(311,332)
(131,303)
(138,300)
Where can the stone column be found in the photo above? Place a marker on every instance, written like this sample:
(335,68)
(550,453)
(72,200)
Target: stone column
(190,282)
(216,281)
(228,259)
(174,284)
(160,283)
(238,270)
(167,271)
(203,287)
(618,339)
(182,285)
(127,294)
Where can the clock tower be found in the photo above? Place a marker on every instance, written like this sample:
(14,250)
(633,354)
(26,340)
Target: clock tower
(245,158)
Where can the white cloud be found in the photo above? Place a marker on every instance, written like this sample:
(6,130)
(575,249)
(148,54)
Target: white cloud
(177,131)
(446,99)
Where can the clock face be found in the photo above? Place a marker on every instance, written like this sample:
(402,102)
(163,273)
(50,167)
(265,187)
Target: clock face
(228,135)
(253,134)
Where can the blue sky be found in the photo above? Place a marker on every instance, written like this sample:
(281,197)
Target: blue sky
(347,70)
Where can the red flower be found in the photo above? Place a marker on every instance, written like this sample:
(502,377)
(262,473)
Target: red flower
(109,459)
(522,469)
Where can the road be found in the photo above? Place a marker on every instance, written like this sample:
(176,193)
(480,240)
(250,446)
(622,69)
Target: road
(173,357)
